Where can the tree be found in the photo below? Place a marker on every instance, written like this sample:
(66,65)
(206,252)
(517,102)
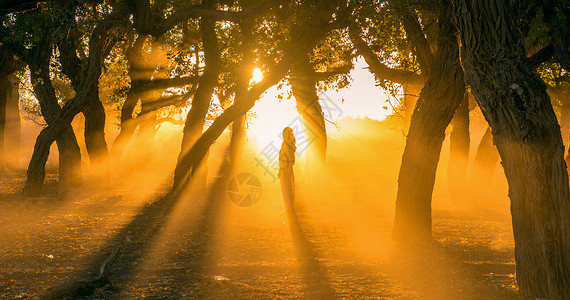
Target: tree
(300,41)
(525,130)
(10,64)
(102,39)
(438,101)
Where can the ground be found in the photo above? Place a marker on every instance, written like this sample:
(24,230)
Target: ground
(195,249)
(199,245)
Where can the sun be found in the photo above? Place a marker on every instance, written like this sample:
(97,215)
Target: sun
(256,76)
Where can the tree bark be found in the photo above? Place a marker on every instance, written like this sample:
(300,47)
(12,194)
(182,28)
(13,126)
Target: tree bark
(458,184)
(438,101)
(304,87)
(525,130)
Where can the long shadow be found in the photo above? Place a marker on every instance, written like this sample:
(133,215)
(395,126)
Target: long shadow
(317,284)
(187,251)
(140,233)
(434,273)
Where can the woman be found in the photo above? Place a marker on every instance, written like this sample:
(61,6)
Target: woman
(286,162)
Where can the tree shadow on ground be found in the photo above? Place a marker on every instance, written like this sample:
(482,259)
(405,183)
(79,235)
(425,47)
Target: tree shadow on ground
(317,284)
(435,273)
(134,240)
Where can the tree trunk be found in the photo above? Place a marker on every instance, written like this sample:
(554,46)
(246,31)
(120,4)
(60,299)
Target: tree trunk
(4,94)
(565,122)
(525,130)
(93,111)
(483,168)
(102,40)
(13,125)
(69,152)
(410,99)
(95,142)
(144,141)
(201,102)
(139,73)
(458,183)
(438,101)
(237,139)
(303,85)
(303,42)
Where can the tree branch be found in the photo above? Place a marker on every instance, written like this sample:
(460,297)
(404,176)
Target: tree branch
(417,38)
(146,22)
(381,71)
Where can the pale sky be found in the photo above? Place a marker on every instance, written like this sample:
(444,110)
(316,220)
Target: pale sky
(362,98)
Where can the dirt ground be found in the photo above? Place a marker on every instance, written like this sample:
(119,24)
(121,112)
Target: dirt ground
(199,245)
(189,248)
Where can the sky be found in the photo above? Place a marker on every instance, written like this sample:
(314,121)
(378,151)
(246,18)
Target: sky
(362,98)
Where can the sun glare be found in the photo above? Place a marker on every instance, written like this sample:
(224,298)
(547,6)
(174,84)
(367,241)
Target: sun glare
(256,76)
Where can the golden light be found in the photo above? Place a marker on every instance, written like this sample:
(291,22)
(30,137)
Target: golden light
(256,76)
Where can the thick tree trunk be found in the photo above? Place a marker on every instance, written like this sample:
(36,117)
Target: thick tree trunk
(69,152)
(95,142)
(93,111)
(303,85)
(102,40)
(483,167)
(438,101)
(459,155)
(525,130)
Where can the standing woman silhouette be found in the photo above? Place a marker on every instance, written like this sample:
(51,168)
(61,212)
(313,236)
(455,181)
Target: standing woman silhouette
(286,162)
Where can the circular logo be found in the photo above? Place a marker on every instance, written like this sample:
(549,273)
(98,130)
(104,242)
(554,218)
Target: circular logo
(244,189)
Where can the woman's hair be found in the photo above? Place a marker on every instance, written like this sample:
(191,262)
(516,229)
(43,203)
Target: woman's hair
(289,138)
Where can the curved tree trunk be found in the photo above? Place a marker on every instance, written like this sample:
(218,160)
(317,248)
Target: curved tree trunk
(188,159)
(93,111)
(458,183)
(304,87)
(484,167)
(438,101)
(201,102)
(138,73)
(525,130)
(102,40)
(69,152)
